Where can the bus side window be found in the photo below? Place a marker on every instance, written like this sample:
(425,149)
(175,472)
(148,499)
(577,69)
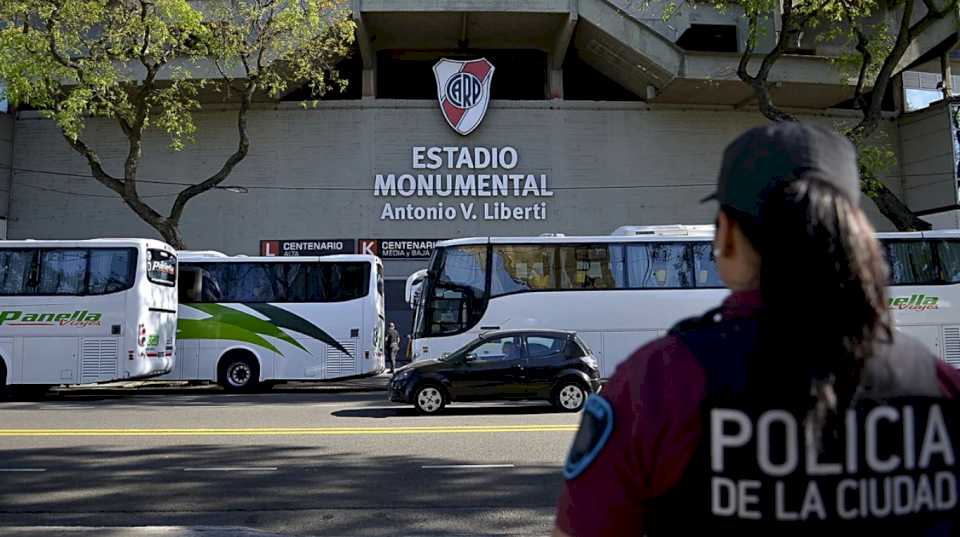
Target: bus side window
(191,285)
(911,262)
(18,272)
(705,266)
(659,265)
(949,252)
(209,288)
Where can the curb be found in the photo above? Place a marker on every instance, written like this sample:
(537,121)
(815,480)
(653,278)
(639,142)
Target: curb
(118,531)
(167,531)
(368,385)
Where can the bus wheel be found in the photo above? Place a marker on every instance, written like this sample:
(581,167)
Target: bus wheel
(429,399)
(238,373)
(569,395)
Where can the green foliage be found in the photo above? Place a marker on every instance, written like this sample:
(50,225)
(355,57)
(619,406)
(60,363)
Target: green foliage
(143,62)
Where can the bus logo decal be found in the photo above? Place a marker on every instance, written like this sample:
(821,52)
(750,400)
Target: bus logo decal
(292,321)
(231,324)
(463,89)
(79,318)
(914,303)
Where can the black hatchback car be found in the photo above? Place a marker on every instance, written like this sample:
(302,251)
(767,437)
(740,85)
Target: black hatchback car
(551,365)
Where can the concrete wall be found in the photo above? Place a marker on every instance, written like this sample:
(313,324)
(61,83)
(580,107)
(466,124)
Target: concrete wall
(6,171)
(927,158)
(607,164)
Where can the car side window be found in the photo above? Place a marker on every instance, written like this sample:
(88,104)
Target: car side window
(502,348)
(543,346)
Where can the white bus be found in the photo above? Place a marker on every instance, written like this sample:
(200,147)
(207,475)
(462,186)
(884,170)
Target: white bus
(250,320)
(621,291)
(77,312)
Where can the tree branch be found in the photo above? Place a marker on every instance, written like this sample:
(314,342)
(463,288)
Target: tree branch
(146,33)
(94,161)
(752,29)
(871,113)
(759,82)
(863,47)
(59,56)
(243,147)
(133,201)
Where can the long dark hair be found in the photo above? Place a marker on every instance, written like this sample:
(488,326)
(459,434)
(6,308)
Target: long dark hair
(823,285)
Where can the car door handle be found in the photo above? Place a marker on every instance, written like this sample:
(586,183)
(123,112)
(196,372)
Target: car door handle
(489,328)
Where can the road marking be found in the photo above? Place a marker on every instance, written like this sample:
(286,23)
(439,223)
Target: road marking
(23,469)
(233,469)
(294,431)
(446,466)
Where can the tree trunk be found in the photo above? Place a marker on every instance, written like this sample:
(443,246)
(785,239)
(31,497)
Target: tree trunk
(890,205)
(170,232)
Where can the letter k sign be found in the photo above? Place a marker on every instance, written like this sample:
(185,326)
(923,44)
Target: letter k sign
(369,247)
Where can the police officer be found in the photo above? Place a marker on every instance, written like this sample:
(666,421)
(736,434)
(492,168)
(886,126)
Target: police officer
(792,409)
(392,344)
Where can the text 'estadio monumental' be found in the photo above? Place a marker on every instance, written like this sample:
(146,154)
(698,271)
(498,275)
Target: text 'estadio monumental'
(500,181)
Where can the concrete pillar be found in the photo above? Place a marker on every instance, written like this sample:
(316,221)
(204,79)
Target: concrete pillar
(555,83)
(559,52)
(369,83)
(367,55)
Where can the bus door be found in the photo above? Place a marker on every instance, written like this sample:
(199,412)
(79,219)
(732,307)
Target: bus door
(158,334)
(190,289)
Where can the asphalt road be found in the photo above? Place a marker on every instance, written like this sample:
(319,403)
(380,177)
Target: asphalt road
(302,462)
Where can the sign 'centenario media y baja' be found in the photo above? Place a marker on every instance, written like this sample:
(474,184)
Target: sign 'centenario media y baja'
(481,172)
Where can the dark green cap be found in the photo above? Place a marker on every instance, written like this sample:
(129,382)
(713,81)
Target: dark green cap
(781,152)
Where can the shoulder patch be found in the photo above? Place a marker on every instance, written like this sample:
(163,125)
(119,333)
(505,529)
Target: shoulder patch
(593,434)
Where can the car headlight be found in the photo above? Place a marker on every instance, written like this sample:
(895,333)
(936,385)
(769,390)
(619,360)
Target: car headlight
(403,375)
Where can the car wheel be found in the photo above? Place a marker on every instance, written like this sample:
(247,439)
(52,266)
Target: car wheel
(429,399)
(570,396)
(238,374)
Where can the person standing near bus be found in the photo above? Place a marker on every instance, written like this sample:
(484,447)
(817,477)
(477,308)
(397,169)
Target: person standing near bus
(392,345)
(794,408)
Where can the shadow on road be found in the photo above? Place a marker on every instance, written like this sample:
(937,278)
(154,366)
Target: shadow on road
(314,490)
(207,395)
(452,410)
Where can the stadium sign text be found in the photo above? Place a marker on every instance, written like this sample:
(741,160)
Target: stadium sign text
(498,178)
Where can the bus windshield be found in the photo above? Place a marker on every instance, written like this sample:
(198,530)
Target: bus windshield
(455,291)
(161,267)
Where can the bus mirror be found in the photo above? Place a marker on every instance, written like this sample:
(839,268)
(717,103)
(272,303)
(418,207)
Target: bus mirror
(413,287)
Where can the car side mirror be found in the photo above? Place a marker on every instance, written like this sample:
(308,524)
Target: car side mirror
(471,356)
